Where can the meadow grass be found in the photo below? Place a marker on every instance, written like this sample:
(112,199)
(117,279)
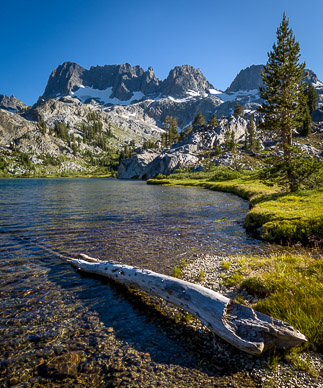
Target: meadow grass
(290,288)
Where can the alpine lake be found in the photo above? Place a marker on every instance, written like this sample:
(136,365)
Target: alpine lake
(60,327)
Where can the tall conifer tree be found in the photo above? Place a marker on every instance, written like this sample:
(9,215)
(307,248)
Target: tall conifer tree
(284,101)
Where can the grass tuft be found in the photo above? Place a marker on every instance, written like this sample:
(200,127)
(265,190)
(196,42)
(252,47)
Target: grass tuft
(292,287)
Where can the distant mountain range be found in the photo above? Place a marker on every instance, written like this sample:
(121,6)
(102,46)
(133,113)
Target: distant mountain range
(126,90)
(131,105)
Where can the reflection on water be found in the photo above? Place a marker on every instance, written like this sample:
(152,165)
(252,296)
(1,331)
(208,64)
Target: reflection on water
(48,309)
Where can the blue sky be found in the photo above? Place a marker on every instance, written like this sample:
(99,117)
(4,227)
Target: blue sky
(219,37)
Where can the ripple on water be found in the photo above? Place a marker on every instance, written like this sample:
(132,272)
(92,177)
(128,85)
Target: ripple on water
(51,315)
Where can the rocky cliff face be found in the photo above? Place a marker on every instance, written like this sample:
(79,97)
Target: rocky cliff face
(124,80)
(247,79)
(12,104)
(185,80)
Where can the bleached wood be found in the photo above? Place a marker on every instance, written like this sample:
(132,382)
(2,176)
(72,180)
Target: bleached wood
(241,326)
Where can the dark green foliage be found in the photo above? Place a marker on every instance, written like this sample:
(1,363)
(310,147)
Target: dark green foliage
(149,145)
(185,132)
(125,153)
(305,129)
(312,96)
(229,140)
(61,130)
(251,142)
(24,159)
(284,101)
(41,125)
(238,110)
(3,164)
(171,135)
(93,116)
(214,121)
(51,160)
(199,120)
(217,149)
(173,131)
(299,168)
(223,173)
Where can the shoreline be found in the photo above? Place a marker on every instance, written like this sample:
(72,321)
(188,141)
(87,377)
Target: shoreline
(266,370)
(274,216)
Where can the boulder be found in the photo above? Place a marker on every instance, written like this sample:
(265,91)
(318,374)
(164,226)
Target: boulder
(171,160)
(136,166)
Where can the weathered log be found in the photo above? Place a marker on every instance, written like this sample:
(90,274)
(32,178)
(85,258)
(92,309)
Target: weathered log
(241,326)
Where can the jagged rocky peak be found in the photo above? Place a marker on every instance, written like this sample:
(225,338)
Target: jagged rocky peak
(64,80)
(248,79)
(183,80)
(12,104)
(123,80)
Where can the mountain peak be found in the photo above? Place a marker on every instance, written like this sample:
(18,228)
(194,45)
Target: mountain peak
(247,79)
(12,104)
(63,80)
(182,79)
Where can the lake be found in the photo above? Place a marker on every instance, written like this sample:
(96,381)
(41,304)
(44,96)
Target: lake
(49,311)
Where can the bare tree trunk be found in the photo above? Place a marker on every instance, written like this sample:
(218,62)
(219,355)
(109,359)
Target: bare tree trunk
(241,326)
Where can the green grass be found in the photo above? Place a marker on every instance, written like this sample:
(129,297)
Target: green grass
(201,276)
(176,271)
(226,264)
(292,289)
(291,217)
(275,216)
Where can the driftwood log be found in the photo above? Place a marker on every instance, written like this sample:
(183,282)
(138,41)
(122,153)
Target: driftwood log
(241,326)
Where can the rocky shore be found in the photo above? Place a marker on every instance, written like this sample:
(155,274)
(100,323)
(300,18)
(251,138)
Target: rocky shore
(207,271)
(182,353)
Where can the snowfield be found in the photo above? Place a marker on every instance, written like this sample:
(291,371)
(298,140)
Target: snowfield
(86,92)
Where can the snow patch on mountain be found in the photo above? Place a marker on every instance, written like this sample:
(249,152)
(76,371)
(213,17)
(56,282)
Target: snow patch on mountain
(85,93)
(254,94)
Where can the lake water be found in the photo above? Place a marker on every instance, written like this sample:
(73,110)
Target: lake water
(47,309)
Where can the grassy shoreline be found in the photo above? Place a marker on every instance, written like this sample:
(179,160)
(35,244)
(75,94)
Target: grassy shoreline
(274,216)
(288,285)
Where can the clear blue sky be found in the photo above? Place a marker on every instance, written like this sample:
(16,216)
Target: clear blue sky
(221,37)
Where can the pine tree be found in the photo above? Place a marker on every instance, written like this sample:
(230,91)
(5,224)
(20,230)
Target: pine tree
(305,129)
(213,122)
(238,110)
(164,140)
(251,140)
(227,138)
(284,101)
(199,120)
(312,96)
(173,131)
(185,132)
(41,124)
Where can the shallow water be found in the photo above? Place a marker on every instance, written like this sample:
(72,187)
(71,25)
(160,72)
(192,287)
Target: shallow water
(48,309)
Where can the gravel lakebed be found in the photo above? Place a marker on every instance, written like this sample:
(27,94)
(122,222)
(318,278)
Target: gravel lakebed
(83,352)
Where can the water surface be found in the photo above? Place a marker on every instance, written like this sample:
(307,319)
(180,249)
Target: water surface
(47,308)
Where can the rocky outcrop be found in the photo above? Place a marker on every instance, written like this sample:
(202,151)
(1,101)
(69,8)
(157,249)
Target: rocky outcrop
(184,110)
(126,124)
(136,166)
(171,160)
(12,104)
(185,154)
